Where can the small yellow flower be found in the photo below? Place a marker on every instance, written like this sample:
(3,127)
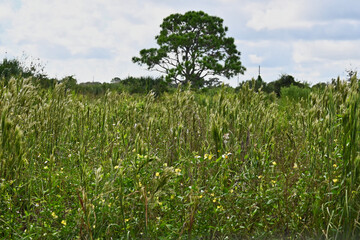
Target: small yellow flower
(63,222)
(200,196)
(140,184)
(127,219)
(46,167)
(273,181)
(206,156)
(334,165)
(53,214)
(210,156)
(335,180)
(212,194)
(172,197)
(274,163)
(295,166)
(214,200)
(220,208)
(116,167)
(231,191)
(165,164)
(177,170)
(260,176)
(157,174)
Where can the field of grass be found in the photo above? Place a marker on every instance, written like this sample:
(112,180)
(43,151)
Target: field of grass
(184,165)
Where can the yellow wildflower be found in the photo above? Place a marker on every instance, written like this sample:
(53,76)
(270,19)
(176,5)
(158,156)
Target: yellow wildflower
(335,180)
(274,163)
(53,214)
(63,222)
(157,174)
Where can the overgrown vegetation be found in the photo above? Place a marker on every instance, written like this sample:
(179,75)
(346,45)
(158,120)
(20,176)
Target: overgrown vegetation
(183,165)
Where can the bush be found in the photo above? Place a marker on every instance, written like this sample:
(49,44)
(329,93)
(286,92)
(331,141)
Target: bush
(295,93)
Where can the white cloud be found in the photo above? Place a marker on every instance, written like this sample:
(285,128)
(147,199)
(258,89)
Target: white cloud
(79,25)
(326,50)
(255,59)
(279,14)
(65,30)
(321,60)
(6,11)
(97,38)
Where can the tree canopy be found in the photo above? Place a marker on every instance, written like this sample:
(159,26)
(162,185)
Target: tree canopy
(193,47)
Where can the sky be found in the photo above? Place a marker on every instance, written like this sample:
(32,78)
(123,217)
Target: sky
(94,40)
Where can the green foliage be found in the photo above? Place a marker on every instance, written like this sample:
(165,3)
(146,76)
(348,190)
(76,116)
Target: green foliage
(284,81)
(211,164)
(193,47)
(253,84)
(144,85)
(70,82)
(132,85)
(295,93)
(13,68)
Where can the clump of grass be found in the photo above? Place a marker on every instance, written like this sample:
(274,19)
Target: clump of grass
(182,165)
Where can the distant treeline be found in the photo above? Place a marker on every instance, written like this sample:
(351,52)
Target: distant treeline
(13,68)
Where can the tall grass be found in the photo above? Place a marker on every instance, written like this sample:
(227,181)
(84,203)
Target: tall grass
(180,166)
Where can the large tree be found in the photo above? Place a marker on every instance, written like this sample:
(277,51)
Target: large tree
(193,47)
